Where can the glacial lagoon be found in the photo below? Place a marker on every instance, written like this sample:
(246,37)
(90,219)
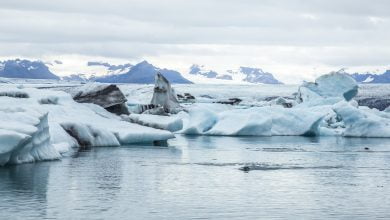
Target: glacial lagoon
(202,177)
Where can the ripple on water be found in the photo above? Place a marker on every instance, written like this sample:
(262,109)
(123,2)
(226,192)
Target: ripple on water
(269,167)
(262,166)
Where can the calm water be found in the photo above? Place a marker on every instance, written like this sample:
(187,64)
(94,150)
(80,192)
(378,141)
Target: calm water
(203,177)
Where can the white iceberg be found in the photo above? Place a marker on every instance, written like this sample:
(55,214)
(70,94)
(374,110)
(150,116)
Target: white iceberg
(242,123)
(57,125)
(24,136)
(330,88)
(361,123)
(259,121)
(172,123)
(199,120)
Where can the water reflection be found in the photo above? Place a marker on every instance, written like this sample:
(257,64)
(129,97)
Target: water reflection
(24,189)
(202,177)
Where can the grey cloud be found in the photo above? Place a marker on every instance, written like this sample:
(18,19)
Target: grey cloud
(51,27)
(357,30)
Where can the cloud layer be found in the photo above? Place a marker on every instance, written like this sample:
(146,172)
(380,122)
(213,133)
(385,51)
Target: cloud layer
(295,38)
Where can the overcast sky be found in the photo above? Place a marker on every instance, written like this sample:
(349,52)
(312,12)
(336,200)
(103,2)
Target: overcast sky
(294,39)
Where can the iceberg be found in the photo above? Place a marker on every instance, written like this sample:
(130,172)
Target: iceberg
(198,121)
(266,110)
(242,123)
(362,123)
(24,136)
(324,108)
(164,95)
(88,135)
(259,121)
(48,123)
(156,121)
(108,96)
(335,86)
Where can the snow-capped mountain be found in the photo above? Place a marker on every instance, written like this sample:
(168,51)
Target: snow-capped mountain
(143,72)
(241,75)
(77,77)
(25,69)
(111,69)
(372,78)
(81,71)
(255,75)
(200,70)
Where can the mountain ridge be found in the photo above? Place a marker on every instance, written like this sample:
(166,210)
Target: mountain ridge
(22,68)
(242,74)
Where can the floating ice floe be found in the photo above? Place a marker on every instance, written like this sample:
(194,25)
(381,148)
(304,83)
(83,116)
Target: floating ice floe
(61,123)
(156,121)
(360,123)
(325,108)
(260,121)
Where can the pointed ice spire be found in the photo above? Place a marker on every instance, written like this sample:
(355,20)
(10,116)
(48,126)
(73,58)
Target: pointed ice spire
(164,95)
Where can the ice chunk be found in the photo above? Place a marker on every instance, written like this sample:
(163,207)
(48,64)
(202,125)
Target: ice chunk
(14,94)
(200,120)
(362,123)
(49,100)
(282,102)
(260,121)
(89,124)
(27,140)
(109,97)
(60,139)
(88,135)
(331,85)
(242,123)
(10,140)
(375,111)
(164,95)
(295,121)
(129,133)
(172,123)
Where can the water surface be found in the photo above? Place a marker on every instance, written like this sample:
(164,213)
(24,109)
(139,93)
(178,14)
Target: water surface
(207,177)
